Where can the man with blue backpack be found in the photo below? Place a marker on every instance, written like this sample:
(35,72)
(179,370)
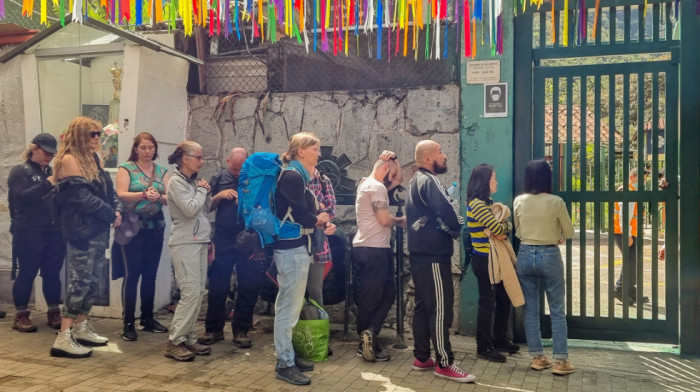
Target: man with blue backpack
(249,274)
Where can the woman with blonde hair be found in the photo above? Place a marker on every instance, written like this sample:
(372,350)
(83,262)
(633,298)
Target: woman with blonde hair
(293,255)
(36,240)
(141,185)
(87,205)
(189,200)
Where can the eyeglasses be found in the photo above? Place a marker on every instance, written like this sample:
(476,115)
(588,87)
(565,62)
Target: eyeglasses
(197,157)
(95,133)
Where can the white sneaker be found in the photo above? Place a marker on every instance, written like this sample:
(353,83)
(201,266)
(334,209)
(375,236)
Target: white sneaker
(66,346)
(85,334)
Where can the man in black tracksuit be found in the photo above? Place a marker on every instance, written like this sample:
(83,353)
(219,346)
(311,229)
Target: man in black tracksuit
(432,224)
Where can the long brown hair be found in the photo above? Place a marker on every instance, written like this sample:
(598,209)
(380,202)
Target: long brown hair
(137,141)
(76,142)
(301,140)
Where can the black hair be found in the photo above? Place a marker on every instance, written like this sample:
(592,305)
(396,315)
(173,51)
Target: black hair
(538,177)
(479,186)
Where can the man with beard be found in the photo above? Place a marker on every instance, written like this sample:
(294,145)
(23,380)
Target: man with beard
(433,223)
(373,270)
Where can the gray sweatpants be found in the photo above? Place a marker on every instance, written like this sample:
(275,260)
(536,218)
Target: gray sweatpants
(190,264)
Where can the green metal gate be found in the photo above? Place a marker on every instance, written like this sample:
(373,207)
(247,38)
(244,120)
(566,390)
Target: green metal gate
(599,108)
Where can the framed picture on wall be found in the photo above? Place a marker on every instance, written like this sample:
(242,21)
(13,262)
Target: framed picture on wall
(109,142)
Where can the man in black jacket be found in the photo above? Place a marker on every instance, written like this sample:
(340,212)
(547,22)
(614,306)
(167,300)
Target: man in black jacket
(433,223)
(249,273)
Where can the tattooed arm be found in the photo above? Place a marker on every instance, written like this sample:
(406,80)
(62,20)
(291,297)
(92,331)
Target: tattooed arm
(381,211)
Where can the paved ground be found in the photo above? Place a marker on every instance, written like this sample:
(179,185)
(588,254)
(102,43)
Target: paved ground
(25,365)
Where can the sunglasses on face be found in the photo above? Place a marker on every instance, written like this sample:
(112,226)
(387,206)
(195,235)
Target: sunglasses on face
(95,133)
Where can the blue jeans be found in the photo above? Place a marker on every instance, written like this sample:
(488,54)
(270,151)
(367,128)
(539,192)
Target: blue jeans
(542,265)
(293,270)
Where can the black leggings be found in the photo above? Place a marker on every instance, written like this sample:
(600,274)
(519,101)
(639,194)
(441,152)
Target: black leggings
(494,307)
(141,258)
(38,250)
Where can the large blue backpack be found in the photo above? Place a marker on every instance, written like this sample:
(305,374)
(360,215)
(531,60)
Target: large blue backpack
(256,199)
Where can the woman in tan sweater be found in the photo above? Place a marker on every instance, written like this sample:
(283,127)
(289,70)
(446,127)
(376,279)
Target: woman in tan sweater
(542,222)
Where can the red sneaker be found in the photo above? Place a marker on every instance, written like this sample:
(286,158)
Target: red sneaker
(454,373)
(422,366)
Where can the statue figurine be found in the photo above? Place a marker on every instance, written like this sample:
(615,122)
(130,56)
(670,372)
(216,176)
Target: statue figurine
(116,80)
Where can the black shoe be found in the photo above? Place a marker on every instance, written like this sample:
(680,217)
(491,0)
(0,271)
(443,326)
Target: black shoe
(506,347)
(129,333)
(242,340)
(2,314)
(151,325)
(491,354)
(330,351)
(210,338)
(619,297)
(303,364)
(381,355)
(292,375)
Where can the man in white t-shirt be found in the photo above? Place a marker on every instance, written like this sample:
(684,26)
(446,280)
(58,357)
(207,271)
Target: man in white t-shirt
(373,270)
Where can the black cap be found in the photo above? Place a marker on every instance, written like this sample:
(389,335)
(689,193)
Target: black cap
(46,141)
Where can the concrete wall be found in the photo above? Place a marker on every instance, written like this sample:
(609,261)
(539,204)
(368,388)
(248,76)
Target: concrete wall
(359,124)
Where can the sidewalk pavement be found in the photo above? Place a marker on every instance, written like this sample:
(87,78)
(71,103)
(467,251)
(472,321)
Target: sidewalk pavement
(25,365)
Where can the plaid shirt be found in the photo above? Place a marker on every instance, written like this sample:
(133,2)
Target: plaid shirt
(328,200)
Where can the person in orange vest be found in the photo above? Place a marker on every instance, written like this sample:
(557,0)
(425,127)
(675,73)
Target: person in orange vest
(630,266)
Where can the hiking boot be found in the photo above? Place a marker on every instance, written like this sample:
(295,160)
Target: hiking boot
(380,354)
(129,332)
(66,346)
(367,338)
(423,366)
(54,318)
(454,373)
(151,325)
(242,340)
(23,323)
(292,375)
(303,364)
(507,347)
(178,352)
(563,367)
(540,362)
(210,338)
(491,354)
(85,334)
(199,349)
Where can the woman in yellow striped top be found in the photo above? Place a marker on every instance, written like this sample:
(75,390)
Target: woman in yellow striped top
(491,332)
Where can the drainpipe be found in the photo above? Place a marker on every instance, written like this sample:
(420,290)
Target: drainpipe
(200,43)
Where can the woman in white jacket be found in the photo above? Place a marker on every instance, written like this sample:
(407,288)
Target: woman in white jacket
(189,199)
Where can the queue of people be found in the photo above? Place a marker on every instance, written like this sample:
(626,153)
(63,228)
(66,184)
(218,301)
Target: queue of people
(67,213)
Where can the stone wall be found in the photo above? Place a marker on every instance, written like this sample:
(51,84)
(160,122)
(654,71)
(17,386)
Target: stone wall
(358,124)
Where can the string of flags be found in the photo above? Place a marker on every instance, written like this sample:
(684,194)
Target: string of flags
(326,25)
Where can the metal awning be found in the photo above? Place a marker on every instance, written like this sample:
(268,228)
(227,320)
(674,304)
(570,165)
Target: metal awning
(128,35)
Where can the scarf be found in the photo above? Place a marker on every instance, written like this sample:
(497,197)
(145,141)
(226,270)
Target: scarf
(296,165)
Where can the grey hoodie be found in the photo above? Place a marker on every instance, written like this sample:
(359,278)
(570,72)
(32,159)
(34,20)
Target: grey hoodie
(188,203)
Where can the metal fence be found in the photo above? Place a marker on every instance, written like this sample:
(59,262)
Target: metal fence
(235,65)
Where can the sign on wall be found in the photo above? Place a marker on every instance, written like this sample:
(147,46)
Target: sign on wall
(496,100)
(486,71)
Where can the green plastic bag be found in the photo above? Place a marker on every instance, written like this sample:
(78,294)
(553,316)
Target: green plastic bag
(310,337)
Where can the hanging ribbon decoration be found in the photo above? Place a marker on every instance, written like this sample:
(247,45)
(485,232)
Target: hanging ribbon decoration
(77,11)
(565,40)
(595,18)
(2,9)
(27,8)
(554,26)
(467,30)
(380,15)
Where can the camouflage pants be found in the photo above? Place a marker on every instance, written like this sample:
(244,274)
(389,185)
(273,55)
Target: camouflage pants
(84,267)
